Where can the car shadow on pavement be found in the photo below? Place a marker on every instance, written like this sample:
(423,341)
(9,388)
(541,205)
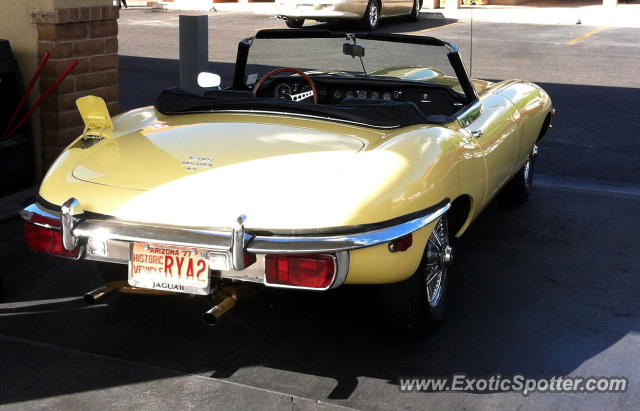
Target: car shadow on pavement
(528,299)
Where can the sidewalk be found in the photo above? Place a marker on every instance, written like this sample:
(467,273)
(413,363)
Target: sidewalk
(549,12)
(588,12)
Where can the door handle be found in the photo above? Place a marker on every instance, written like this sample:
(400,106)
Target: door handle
(477,133)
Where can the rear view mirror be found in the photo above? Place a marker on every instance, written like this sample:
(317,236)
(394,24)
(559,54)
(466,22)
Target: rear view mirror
(353,50)
(209,80)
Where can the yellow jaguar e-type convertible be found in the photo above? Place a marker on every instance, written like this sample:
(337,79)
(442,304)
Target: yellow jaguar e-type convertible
(332,159)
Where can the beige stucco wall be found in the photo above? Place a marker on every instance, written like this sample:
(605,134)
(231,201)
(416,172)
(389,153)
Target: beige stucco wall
(16,26)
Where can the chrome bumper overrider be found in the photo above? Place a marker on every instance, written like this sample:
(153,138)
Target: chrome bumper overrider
(107,239)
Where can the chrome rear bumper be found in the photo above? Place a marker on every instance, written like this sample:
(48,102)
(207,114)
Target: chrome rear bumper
(107,239)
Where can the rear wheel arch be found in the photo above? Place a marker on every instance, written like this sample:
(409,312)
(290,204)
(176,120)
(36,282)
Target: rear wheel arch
(460,214)
(545,127)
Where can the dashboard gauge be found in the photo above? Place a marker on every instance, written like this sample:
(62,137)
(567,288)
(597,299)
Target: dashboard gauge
(282,90)
(386,95)
(348,94)
(362,93)
(375,94)
(302,88)
(337,94)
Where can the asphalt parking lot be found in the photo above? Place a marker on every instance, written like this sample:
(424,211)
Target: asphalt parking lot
(550,288)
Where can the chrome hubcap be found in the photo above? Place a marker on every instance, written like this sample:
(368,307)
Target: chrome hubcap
(373,15)
(439,259)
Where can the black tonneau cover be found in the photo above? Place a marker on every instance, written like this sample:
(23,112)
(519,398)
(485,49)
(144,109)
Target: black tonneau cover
(373,113)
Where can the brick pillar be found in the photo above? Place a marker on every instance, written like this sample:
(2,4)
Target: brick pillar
(86,34)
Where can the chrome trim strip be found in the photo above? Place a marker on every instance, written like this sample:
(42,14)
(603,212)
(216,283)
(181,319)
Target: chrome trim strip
(28,212)
(69,212)
(344,263)
(332,244)
(238,241)
(112,230)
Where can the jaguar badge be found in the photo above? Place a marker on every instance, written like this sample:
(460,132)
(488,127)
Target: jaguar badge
(193,163)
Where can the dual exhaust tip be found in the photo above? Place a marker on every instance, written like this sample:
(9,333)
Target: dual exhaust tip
(226,298)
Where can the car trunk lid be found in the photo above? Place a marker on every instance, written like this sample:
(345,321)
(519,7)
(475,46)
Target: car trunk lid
(161,154)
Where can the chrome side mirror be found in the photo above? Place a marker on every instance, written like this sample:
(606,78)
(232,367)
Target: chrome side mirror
(209,80)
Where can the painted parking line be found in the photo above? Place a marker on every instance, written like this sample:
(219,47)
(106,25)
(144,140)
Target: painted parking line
(587,35)
(555,182)
(280,26)
(26,304)
(226,13)
(158,22)
(436,28)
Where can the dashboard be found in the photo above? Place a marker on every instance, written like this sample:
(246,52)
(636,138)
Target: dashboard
(431,99)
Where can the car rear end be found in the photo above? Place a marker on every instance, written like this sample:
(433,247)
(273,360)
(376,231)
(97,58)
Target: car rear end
(321,10)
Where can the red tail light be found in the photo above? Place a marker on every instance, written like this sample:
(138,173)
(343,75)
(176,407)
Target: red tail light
(47,240)
(311,271)
(44,220)
(401,244)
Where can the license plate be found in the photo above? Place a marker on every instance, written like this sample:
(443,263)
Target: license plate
(169,268)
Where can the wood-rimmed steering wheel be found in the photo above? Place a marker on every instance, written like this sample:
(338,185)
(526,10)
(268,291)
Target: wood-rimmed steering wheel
(295,97)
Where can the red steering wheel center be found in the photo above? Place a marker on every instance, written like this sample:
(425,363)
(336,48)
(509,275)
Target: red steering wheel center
(302,74)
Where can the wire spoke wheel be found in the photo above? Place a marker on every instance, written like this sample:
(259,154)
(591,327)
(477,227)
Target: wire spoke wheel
(439,259)
(518,189)
(417,304)
(373,15)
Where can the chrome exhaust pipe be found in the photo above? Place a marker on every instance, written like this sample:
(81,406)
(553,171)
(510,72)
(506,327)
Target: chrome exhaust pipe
(100,293)
(93,296)
(229,297)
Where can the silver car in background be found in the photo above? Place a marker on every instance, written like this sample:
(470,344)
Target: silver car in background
(366,12)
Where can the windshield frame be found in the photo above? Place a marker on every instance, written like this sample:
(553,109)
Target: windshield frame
(453,54)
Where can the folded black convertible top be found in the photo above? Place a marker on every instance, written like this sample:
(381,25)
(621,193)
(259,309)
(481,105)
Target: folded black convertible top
(373,113)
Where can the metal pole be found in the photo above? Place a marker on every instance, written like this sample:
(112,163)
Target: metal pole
(194,50)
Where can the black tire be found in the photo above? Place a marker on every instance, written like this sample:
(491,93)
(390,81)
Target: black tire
(371,17)
(414,16)
(518,189)
(112,272)
(294,23)
(408,305)
(1,287)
